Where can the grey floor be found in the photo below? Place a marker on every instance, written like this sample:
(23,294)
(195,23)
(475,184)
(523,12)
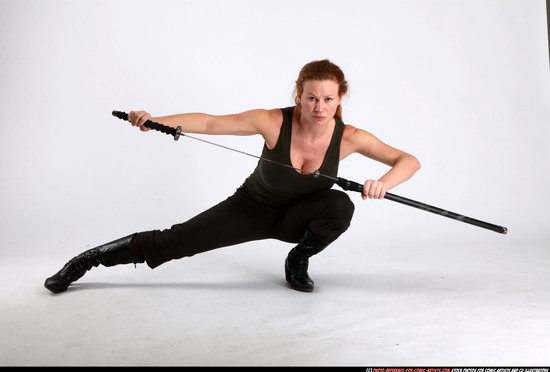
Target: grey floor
(425,303)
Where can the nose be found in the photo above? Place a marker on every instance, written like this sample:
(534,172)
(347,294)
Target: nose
(318,106)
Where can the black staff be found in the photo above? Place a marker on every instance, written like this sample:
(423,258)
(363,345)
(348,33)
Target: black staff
(343,183)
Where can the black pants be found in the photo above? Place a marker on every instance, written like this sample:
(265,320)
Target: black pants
(240,218)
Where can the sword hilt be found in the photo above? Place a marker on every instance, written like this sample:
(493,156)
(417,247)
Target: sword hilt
(176,132)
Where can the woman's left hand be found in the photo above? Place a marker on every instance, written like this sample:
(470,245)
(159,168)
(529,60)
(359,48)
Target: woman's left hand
(374,189)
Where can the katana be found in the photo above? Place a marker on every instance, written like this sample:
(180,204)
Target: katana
(345,184)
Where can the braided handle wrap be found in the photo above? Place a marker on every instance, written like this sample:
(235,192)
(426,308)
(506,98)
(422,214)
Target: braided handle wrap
(152,125)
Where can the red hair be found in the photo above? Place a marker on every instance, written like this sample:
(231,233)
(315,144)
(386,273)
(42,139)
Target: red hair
(321,70)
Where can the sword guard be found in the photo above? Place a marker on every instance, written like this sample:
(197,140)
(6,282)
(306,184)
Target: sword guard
(178,133)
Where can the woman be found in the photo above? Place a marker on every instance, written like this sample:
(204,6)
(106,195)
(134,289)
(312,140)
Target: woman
(274,202)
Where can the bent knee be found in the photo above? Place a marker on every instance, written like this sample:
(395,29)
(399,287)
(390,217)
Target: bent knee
(341,204)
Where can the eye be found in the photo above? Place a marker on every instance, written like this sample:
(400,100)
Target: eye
(329,99)
(312,99)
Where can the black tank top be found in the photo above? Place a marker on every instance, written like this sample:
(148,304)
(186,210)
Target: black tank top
(276,185)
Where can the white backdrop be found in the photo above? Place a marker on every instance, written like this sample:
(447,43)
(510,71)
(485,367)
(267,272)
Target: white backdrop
(463,85)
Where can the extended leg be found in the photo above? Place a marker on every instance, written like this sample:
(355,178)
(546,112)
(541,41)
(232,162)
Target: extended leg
(236,220)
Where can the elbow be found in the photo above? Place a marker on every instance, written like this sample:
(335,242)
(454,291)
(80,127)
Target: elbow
(417,164)
(413,164)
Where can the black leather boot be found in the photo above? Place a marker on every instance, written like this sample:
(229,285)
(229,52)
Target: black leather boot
(110,254)
(297,262)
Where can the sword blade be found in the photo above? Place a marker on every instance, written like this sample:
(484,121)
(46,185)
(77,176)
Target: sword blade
(247,153)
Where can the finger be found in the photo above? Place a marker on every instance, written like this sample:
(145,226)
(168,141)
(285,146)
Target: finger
(135,117)
(372,189)
(378,190)
(144,116)
(381,191)
(367,189)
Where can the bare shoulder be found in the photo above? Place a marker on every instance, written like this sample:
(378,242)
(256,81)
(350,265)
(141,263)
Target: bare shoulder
(358,136)
(275,116)
(275,120)
(262,117)
(349,136)
(267,122)
(355,140)
(349,132)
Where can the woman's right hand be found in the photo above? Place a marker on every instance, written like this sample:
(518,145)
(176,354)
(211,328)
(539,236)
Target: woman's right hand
(138,119)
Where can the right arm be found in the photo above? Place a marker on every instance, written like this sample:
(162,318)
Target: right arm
(264,122)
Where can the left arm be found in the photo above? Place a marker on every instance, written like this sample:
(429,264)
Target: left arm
(403,165)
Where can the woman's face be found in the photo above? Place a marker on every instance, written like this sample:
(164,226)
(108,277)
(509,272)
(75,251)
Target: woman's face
(320,100)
